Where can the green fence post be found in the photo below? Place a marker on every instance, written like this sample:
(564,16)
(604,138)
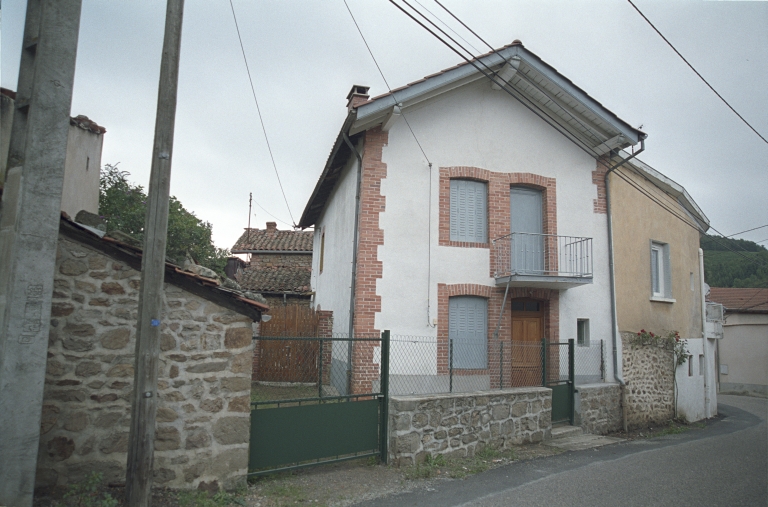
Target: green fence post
(544,362)
(501,365)
(450,366)
(571,377)
(320,371)
(384,367)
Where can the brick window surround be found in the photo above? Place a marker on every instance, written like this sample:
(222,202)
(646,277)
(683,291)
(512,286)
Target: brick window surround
(498,218)
(550,300)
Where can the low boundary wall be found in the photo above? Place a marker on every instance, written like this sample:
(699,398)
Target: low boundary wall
(598,408)
(459,424)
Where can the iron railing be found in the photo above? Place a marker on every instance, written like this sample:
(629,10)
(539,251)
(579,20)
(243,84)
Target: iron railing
(523,253)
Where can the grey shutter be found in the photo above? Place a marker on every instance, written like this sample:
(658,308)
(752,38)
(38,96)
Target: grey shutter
(468,329)
(654,270)
(468,211)
(526,217)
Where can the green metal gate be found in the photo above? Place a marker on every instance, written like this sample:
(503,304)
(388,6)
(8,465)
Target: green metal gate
(332,413)
(558,375)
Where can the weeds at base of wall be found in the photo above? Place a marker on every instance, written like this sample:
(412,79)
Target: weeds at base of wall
(671,427)
(458,468)
(88,493)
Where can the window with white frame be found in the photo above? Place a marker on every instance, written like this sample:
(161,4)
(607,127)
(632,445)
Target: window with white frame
(661,277)
(468,331)
(469,211)
(582,332)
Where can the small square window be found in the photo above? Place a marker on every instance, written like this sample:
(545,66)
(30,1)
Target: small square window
(582,332)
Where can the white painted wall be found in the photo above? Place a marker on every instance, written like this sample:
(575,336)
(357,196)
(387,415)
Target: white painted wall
(744,354)
(332,286)
(81,171)
(478,126)
(691,403)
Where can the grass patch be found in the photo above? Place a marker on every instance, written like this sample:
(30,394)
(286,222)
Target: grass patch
(457,468)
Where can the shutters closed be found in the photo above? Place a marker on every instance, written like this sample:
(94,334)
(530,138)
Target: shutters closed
(468,329)
(468,211)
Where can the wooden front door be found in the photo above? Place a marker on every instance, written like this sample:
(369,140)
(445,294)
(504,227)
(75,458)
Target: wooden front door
(289,360)
(527,332)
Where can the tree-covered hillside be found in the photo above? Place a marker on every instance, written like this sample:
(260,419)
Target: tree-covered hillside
(724,267)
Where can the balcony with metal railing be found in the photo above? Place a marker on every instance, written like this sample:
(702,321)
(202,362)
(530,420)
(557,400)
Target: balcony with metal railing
(523,259)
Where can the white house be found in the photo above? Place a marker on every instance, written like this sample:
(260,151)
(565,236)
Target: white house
(477,182)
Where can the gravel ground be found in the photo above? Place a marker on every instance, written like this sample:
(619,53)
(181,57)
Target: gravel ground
(334,485)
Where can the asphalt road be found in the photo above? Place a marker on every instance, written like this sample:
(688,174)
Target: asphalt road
(725,463)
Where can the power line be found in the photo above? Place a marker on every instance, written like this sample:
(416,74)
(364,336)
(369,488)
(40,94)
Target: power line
(385,81)
(261,119)
(503,86)
(697,73)
(446,24)
(270,214)
(748,230)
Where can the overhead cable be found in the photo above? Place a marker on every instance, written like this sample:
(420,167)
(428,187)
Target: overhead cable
(261,119)
(697,73)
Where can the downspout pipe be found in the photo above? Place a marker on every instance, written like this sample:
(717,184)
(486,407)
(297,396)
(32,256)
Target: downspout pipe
(355,233)
(704,340)
(612,275)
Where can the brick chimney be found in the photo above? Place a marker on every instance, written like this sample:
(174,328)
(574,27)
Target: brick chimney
(357,95)
(271,226)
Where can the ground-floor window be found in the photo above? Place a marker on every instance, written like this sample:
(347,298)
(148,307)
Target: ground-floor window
(468,331)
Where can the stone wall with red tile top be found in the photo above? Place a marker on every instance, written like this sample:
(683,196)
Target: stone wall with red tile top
(203,416)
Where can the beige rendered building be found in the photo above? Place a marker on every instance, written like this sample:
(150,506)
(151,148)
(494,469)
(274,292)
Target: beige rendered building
(656,252)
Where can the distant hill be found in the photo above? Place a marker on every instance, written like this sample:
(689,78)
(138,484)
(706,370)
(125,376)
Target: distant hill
(724,267)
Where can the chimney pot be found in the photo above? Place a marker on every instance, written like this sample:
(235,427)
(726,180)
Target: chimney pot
(271,226)
(357,95)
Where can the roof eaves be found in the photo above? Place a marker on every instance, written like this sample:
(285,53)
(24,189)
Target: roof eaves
(310,215)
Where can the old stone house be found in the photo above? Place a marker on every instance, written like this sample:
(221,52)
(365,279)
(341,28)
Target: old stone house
(280,265)
(203,415)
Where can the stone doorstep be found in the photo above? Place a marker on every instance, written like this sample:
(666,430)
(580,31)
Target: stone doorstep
(581,442)
(565,431)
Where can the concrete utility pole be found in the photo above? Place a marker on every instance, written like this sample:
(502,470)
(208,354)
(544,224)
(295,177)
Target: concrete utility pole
(29,227)
(141,441)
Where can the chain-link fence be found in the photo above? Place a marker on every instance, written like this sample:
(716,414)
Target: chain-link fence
(297,369)
(589,363)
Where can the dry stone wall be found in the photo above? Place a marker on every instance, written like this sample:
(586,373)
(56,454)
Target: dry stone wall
(598,408)
(460,424)
(204,384)
(649,374)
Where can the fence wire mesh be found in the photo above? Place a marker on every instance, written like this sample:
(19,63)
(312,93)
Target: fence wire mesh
(290,369)
(305,369)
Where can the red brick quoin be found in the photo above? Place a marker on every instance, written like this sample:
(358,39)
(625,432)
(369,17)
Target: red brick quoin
(369,267)
(550,300)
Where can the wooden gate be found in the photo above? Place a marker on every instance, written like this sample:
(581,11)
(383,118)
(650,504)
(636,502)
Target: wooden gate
(289,360)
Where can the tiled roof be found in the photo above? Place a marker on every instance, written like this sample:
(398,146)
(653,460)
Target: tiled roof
(292,279)
(740,300)
(271,239)
(204,287)
(86,123)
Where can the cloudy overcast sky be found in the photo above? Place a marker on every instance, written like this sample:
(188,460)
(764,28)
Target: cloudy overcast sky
(305,55)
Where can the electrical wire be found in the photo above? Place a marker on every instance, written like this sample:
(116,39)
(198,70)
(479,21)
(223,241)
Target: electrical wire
(385,80)
(270,214)
(447,26)
(748,230)
(697,73)
(261,119)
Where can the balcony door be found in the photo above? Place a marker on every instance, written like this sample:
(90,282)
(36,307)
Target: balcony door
(527,241)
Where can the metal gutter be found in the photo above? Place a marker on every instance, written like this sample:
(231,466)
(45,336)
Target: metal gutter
(354,257)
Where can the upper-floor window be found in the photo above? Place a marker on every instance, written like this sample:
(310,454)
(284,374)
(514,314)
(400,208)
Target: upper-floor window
(469,211)
(661,277)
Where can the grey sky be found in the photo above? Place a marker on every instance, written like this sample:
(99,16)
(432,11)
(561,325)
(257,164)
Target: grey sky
(305,55)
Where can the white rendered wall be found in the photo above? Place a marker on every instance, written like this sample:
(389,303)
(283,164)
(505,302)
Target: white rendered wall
(81,171)
(332,286)
(744,354)
(691,401)
(481,127)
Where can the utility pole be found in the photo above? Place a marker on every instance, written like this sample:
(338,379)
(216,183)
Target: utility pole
(141,440)
(29,229)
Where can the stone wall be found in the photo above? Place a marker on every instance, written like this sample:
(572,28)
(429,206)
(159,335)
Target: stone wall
(649,374)
(459,424)
(204,384)
(598,408)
